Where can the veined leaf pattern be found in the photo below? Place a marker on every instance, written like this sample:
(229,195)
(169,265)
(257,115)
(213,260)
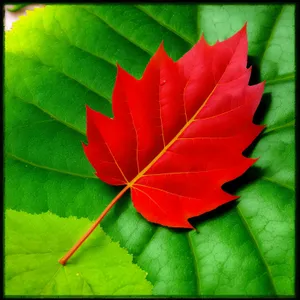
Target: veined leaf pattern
(60,66)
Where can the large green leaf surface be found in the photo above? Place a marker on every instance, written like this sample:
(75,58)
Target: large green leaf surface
(33,244)
(59,58)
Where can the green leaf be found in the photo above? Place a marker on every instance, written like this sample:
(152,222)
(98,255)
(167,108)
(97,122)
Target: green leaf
(34,243)
(68,60)
(17,7)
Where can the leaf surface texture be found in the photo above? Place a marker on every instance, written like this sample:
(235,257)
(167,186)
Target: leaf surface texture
(244,249)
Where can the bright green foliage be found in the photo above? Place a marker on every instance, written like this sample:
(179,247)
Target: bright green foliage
(34,243)
(62,57)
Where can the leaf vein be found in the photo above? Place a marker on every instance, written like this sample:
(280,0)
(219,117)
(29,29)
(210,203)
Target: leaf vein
(119,33)
(280,79)
(164,191)
(246,225)
(278,183)
(276,20)
(54,68)
(48,168)
(149,241)
(195,263)
(48,282)
(82,49)
(51,115)
(286,125)
(164,25)
(150,199)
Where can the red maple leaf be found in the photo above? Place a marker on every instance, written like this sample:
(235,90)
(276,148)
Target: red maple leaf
(178,133)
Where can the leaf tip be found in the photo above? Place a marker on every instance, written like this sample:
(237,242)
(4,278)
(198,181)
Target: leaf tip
(196,230)
(121,73)
(190,226)
(161,49)
(244,28)
(254,160)
(87,107)
(262,127)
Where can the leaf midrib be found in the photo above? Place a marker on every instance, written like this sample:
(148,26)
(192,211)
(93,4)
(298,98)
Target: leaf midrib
(174,140)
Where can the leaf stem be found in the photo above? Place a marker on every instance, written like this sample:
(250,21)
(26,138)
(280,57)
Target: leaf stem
(64,259)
